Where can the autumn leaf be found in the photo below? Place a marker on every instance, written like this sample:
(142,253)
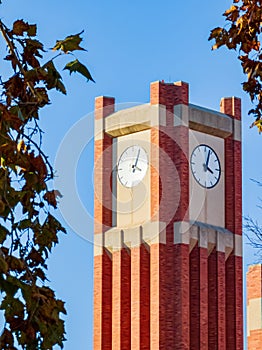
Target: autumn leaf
(50,197)
(258,124)
(76,66)
(20,27)
(242,32)
(31,313)
(21,147)
(69,44)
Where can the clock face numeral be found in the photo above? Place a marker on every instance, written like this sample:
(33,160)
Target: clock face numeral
(132,166)
(205,166)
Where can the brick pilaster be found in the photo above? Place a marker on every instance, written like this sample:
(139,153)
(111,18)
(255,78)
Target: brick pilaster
(103,219)
(157,297)
(198,299)
(169,153)
(233,222)
(195,299)
(125,299)
(212,301)
(144,298)
(135,297)
(203,300)
(181,301)
(221,301)
(116,300)
(103,167)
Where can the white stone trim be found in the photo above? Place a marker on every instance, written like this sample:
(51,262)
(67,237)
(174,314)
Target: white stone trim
(181,115)
(135,119)
(237,130)
(208,237)
(238,245)
(254,315)
(116,238)
(154,232)
(98,244)
(181,232)
(99,129)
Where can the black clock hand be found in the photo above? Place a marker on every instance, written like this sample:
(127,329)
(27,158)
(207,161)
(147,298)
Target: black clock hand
(208,156)
(210,170)
(137,157)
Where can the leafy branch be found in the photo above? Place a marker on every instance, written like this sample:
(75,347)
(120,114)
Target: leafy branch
(28,230)
(243,32)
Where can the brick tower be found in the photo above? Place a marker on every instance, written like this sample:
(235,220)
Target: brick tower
(254,307)
(168,244)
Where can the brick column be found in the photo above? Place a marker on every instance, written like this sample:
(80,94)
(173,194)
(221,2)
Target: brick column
(194,299)
(144,297)
(221,302)
(135,297)
(103,166)
(157,296)
(198,299)
(169,265)
(126,299)
(103,219)
(212,301)
(203,300)
(121,299)
(116,300)
(233,222)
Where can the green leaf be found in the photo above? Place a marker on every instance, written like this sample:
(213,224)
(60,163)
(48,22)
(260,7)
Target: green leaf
(24,224)
(69,44)
(53,78)
(76,66)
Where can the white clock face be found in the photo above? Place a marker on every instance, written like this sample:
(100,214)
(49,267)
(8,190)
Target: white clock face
(205,166)
(132,166)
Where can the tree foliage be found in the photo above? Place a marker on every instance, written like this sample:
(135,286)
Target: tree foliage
(28,229)
(243,33)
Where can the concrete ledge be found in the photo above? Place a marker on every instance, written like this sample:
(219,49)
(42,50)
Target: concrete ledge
(135,119)
(115,239)
(210,122)
(208,237)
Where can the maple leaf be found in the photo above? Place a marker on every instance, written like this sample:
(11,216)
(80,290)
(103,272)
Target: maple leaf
(69,44)
(20,27)
(76,66)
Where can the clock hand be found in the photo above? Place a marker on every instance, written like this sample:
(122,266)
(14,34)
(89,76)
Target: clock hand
(210,170)
(137,157)
(208,156)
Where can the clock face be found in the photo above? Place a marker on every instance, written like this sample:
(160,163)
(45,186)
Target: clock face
(205,166)
(132,166)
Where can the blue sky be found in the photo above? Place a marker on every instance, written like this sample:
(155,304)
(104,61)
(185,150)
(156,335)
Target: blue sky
(129,45)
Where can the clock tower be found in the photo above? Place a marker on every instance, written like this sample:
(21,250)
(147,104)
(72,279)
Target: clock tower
(168,224)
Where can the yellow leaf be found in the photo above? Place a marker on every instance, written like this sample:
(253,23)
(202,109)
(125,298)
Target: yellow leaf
(21,146)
